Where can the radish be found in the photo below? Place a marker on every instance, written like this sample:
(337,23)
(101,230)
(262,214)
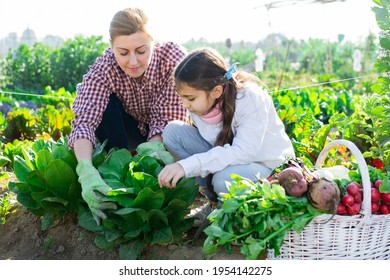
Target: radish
(357,198)
(378,183)
(375,195)
(324,195)
(385,197)
(353,209)
(353,188)
(374,207)
(383,209)
(347,200)
(341,209)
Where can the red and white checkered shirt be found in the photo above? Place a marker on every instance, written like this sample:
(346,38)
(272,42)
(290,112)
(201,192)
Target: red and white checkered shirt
(153,102)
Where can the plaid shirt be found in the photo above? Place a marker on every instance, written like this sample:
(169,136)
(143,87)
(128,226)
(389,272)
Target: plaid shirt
(153,102)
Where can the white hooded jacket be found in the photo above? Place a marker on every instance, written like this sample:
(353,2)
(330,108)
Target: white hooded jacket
(259,136)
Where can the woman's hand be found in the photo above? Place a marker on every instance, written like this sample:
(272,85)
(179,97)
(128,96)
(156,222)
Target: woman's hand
(170,175)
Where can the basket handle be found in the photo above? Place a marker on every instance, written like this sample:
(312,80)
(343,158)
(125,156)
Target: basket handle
(366,203)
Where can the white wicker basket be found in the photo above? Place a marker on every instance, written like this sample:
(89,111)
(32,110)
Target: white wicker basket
(364,236)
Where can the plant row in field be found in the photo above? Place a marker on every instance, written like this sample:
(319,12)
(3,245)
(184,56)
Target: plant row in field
(312,117)
(48,186)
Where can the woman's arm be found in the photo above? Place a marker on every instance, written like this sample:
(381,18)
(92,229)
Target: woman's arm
(83,149)
(156,138)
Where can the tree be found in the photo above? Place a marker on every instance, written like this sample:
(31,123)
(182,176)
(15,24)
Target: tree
(28,69)
(72,60)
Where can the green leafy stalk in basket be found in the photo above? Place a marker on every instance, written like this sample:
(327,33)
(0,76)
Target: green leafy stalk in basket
(256,216)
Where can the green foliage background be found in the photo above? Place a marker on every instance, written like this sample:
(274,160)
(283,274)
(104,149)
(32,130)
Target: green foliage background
(32,69)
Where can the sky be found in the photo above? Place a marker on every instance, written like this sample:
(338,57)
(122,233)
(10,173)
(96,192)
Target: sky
(182,20)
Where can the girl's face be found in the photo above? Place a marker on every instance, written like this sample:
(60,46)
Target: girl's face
(197,101)
(133,53)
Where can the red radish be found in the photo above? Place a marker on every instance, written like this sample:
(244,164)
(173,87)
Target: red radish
(353,188)
(378,183)
(375,195)
(357,198)
(347,200)
(383,209)
(385,197)
(353,209)
(341,209)
(359,185)
(374,207)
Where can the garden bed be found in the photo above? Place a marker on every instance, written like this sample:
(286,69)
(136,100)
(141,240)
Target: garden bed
(23,239)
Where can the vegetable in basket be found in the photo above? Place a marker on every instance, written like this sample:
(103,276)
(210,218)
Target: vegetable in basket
(324,195)
(256,217)
(297,180)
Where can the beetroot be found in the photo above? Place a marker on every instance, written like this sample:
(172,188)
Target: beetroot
(324,195)
(293,181)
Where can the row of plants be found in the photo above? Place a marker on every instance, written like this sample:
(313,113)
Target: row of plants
(47,185)
(254,215)
(31,69)
(351,114)
(312,116)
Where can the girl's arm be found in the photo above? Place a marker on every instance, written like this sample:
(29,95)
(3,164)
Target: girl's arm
(259,137)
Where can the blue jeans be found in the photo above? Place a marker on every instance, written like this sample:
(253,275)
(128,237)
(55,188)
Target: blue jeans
(183,140)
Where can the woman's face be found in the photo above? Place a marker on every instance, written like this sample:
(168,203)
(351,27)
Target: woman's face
(133,53)
(197,101)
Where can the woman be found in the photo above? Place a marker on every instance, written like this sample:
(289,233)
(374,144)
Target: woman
(127,97)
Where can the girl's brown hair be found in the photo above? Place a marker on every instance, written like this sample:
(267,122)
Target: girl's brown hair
(127,22)
(204,69)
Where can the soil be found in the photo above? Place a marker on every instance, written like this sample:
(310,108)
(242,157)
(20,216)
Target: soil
(22,239)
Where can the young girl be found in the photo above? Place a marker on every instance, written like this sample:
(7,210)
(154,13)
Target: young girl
(235,128)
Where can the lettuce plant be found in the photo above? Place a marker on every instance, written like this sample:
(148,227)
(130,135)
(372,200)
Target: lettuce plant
(146,213)
(47,182)
(48,186)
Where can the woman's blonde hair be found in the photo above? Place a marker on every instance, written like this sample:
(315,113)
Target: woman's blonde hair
(127,22)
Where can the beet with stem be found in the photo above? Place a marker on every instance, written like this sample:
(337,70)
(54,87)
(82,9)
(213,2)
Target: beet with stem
(293,181)
(324,195)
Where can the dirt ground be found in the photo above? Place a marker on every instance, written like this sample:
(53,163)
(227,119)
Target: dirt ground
(21,238)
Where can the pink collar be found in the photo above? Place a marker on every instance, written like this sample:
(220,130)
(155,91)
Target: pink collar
(213,116)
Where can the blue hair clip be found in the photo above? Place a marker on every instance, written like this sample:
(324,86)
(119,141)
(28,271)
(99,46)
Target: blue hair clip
(229,73)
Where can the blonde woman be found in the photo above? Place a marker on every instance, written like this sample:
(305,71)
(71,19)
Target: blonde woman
(127,97)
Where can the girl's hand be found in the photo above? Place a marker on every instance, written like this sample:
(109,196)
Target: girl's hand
(170,175)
